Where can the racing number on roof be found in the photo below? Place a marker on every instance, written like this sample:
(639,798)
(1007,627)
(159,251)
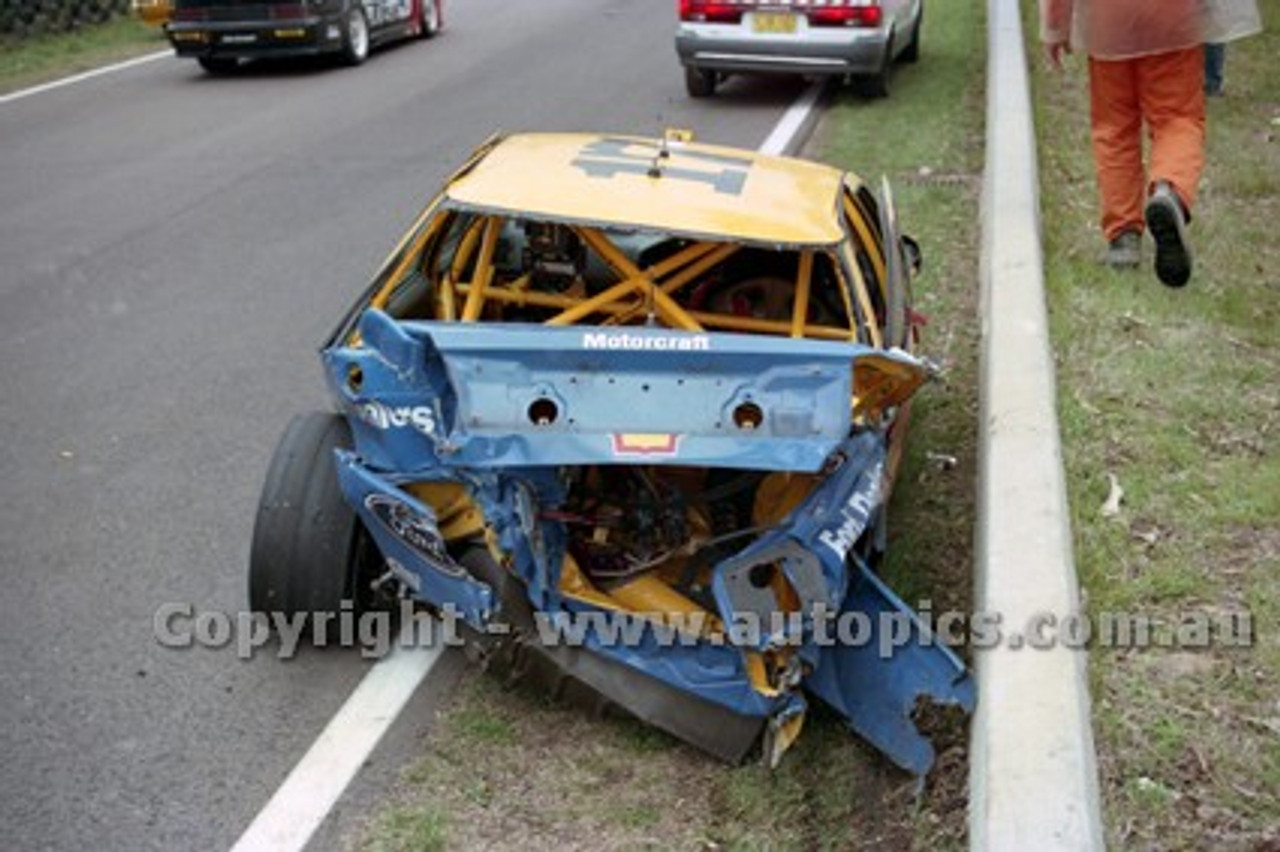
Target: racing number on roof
(608,158)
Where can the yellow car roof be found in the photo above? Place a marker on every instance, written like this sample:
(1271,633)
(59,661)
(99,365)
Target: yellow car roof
(627,182)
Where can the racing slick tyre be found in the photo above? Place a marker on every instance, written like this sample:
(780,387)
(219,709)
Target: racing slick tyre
(218,65)
(355,37)
(431,21)
(306,540)
(699,83)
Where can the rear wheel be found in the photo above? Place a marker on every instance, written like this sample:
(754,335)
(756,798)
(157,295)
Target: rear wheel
(307,540)
(699,83)
(355,39)
(431,19)
(876,85)
(218,65)
(911,53)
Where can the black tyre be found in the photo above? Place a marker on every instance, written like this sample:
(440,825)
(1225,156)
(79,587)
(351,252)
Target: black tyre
(911,53)
(432,20)
(355,36)
(876,85)
(218,65)
(699,83)
(306,539)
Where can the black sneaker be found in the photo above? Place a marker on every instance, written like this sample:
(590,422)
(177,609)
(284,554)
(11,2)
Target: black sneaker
(1168,226)
(1125,251)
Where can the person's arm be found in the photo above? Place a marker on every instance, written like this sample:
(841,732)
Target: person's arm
(1055,29)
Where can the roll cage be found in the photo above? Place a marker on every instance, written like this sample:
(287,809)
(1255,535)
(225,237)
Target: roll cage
(465,264)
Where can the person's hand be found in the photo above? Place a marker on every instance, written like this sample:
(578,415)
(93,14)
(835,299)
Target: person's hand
(1054,51)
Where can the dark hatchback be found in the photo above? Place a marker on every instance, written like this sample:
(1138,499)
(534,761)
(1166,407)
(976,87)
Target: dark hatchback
(221,33)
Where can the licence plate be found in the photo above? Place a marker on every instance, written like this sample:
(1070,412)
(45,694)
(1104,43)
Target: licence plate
(773,22)
(239,38)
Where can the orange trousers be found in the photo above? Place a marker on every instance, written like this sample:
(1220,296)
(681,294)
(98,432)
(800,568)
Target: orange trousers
(1165,92)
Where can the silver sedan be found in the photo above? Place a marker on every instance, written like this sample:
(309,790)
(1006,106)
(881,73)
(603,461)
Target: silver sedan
(858,39)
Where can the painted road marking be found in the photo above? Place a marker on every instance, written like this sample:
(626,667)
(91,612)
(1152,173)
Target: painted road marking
(88,75)
(314,786)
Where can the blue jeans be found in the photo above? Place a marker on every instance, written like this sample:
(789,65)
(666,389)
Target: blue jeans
(1215,58)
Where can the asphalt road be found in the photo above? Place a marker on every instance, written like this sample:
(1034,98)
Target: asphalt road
(173,248)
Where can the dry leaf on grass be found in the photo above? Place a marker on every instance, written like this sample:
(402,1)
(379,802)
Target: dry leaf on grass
(1115,494)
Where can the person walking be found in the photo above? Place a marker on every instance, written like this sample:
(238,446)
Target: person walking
(1146,69)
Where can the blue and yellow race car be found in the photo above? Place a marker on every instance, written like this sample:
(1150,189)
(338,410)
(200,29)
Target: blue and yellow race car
(630,409)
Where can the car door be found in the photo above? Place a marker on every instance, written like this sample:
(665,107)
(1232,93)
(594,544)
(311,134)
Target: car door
(897,283)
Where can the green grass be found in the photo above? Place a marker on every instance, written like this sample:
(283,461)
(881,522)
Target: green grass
(416,828)
(1176,394)
(928,139)
(482,727)
(38,59)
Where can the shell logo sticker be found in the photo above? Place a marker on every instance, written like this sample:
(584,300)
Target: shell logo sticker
(645,444)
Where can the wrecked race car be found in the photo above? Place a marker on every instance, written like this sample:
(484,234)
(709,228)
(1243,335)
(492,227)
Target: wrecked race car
(650,390)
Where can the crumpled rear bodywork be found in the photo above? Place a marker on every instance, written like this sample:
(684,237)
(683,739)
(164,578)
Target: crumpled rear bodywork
(503,419)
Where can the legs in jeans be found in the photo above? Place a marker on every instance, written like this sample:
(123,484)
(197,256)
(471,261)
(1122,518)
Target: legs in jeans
(1215,60)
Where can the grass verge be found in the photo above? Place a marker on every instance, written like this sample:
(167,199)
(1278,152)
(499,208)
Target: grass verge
(506,769)
(928,139)
(1175,394)
(39,59)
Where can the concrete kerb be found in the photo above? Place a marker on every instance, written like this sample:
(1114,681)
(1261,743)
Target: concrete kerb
(1033,781)
(793,130)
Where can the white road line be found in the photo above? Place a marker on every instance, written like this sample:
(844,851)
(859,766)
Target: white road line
(87,75)
(792,121)
(314,786)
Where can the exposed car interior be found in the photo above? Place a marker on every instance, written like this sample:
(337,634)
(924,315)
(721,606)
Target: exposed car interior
(468,266)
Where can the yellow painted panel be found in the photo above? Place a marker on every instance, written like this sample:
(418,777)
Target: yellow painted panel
(690,189)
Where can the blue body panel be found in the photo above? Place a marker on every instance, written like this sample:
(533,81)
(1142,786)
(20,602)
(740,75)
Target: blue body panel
(406,532)
(876,683)
(502,396)
(502,409)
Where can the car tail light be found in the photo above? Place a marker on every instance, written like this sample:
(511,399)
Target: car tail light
(869,15)
(703,11)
